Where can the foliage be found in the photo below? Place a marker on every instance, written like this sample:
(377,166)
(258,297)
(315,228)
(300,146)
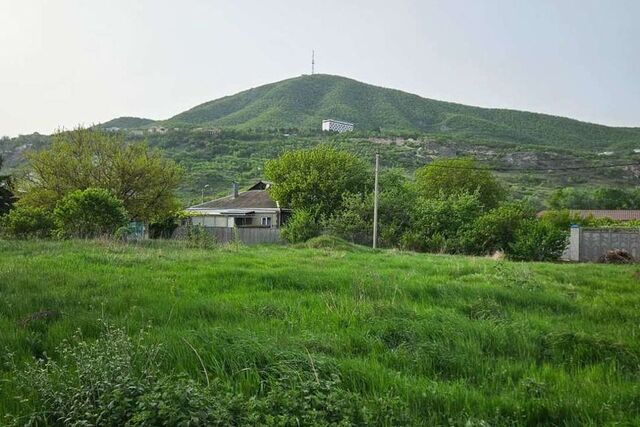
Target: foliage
(199,237)
(89,213)
(495,230)
(438,224)
(138,176)
(316,179)
(301,227)
(538,240)
(411,337)
(303,102)
(458,176)
(26,222)
(354,220)
(595,198)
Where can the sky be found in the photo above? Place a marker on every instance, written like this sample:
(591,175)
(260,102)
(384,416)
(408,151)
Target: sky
(66,63)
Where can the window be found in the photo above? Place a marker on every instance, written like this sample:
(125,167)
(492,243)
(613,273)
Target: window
(266,221)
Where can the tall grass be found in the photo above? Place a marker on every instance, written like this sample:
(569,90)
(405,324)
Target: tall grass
(457,340)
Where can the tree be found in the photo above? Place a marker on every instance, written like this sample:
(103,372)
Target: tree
(438,225)
(538,240)
(89,213)
(458,176)
(26,222)
(496,229)
(135,174)
(6,194)
(316,179)
(301,227)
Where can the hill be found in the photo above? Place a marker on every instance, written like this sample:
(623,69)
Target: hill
(328,333)
(126,123)
(303,102)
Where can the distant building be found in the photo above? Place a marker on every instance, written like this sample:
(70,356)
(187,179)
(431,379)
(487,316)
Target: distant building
(613,214)
(336,126)
(636,150)
(157,129)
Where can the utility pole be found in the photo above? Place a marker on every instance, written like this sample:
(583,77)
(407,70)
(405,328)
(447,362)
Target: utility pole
(206,186)
(313,61)
(375,204)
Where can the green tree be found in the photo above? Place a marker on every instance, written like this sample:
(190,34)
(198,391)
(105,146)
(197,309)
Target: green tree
(316,179)
(538,240)
(496,229)
(135,174)
(438,225)
(459,176)
(301,227)
(26,222)
(89,213)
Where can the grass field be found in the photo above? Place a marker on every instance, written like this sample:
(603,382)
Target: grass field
(440,339)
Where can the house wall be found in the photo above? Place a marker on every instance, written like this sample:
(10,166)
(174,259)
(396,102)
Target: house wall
(224,221)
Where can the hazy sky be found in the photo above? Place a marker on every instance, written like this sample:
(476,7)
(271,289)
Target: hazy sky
(67,62)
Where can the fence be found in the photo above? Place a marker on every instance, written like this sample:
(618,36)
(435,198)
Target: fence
(589,244)
(248,235)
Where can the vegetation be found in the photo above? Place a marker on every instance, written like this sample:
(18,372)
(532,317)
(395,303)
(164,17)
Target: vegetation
(316,179)
(89,213)
(459,176)
(126,123)
(303,102)
(333,334)
(595,198)
(140,177)
(26,222)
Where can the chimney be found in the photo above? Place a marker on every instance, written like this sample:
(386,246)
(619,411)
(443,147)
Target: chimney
(235,190)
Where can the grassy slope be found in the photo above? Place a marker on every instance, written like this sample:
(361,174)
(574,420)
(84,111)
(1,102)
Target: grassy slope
(303,102)
(457,337)
(126,123)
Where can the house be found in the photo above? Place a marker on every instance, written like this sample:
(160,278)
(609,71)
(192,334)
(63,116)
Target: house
(158,129)
(616,215)
(336,126)
(243,209)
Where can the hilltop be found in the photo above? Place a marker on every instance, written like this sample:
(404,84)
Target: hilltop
(303,102)
(126,123)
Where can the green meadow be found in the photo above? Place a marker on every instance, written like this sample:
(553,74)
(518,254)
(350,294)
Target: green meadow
(413,339)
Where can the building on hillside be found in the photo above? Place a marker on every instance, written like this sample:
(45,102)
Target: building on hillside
(336,126)
(158,129)
(613,214)
(251,208)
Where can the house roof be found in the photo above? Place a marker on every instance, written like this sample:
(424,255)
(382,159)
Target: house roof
(616,215)
(252,199)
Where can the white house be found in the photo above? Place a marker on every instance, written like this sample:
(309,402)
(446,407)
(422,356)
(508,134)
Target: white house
(336,126)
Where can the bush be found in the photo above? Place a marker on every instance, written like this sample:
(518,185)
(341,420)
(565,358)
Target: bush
(538,240)
(26,222)
(199,237)
(438,225)
(89,213)
(301,227)
(354,221)
(495,230)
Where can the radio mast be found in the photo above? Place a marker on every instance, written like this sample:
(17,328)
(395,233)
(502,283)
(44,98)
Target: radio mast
(313,61)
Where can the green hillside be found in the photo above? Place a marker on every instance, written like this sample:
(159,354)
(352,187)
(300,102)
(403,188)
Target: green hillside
(303,102)
(126,123)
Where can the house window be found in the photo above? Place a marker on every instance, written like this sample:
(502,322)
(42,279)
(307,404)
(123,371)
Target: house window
(266,221)
(243,221)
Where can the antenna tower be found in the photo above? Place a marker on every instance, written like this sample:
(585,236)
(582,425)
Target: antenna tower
(313,61)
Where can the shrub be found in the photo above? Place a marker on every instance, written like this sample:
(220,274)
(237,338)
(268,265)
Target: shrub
(26,222)
(199,237)
(438,225)
(496,229)
(354,221)
(89,213)
(301,227)
(538,240)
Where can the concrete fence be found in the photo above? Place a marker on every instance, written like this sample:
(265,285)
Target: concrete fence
(589,244)
(248,235)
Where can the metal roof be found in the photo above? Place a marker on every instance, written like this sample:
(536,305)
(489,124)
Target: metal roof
(614,214)
(252,199)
